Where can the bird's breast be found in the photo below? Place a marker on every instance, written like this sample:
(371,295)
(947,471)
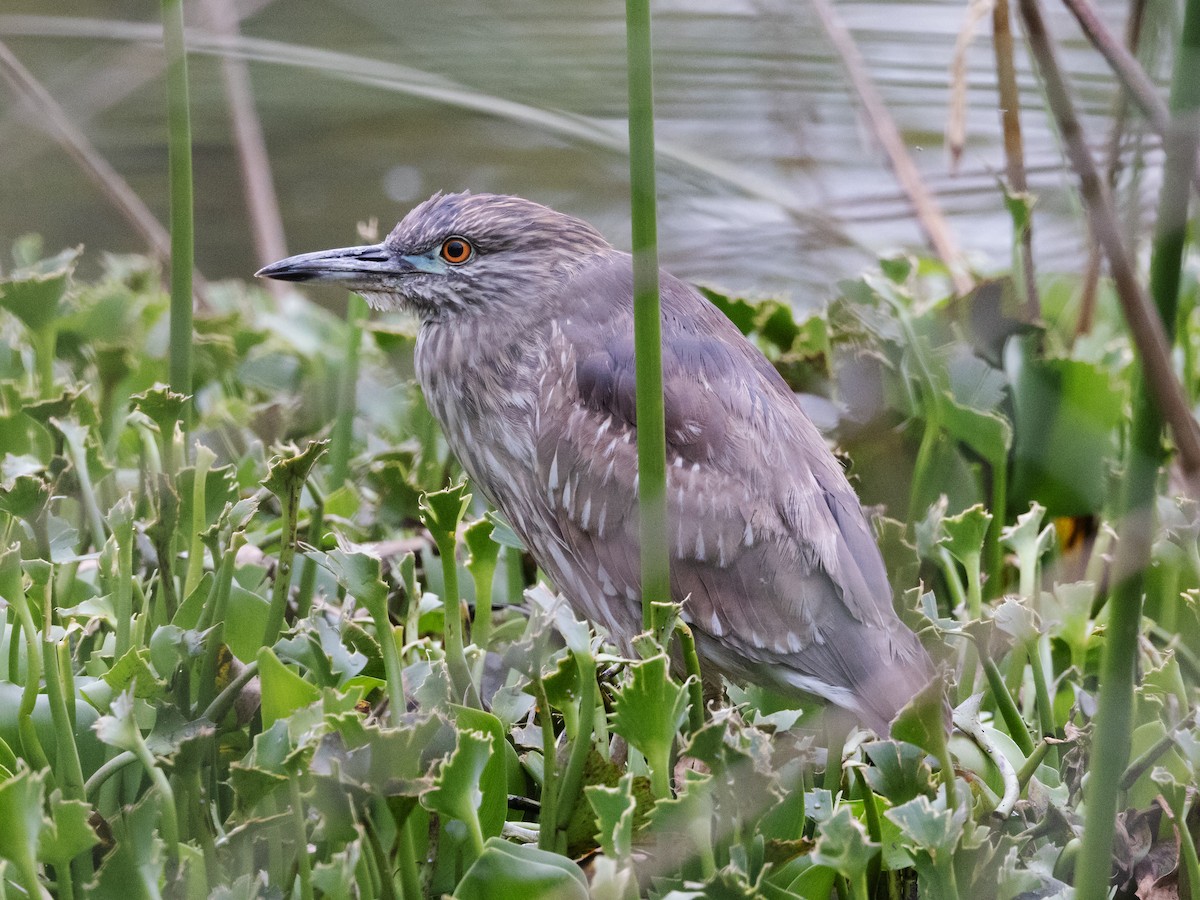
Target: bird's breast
(478,387)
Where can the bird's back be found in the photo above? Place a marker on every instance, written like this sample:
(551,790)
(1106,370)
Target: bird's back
(780,576)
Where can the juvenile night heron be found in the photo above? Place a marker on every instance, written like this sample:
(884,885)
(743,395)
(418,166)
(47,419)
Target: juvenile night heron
(525,356)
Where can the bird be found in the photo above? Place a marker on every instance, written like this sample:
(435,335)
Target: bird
(525,356)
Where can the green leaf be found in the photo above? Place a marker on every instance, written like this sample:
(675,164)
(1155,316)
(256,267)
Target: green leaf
(119,728)
(69,833)
(456,789)
(507,871)
(441,511)
(162,406)
(288,471)
(647,711)
(898,770)
(25,498)
(360,574)
(690,813)
(493,780)
(928,827)
(245,620)
(35,297)
(965,532)
(133,671)
(21,812)
(922,721)
(1067,415)
(134,869)
(843,845)
(283,691)
(482,549)
(615,808)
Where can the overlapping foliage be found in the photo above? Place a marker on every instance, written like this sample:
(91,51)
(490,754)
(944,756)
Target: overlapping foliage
(227,665)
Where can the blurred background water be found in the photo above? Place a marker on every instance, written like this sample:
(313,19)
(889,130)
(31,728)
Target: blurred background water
(770,182)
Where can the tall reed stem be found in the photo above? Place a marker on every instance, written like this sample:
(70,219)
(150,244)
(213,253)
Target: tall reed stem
(1114,715)
(180,161)
(647,325)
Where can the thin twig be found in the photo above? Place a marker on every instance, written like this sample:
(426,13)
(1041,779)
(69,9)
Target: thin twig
(94,165)
(1112,169)
(1014,145)
(925,205)
(1144,325)
(1129,72)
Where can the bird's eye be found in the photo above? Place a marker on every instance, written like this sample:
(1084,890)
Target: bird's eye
(456,250)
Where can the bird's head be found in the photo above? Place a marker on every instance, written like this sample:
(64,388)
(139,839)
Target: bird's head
(456,253)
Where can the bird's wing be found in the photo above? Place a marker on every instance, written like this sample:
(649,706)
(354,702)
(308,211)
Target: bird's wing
(768,542)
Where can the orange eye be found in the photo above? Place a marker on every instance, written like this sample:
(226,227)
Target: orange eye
(456,250)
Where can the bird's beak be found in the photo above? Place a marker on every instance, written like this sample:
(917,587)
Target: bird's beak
(372,268)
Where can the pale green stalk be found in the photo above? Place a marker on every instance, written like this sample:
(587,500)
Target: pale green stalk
(647,326)
(180,162)
(195,568)
(1118,673)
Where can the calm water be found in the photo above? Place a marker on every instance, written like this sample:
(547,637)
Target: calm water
(771,183)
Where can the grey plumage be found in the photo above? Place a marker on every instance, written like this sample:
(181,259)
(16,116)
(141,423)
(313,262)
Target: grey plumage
(525,356)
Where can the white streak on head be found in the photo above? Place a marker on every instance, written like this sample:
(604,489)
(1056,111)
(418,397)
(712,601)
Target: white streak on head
(554,472)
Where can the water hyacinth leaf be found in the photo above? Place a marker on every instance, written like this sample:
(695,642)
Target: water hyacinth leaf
(614,808)
(119,728)
(25,498)
(394,760)
(502,532)
(220,494)
(162,406)
(740,312)
(68,833)
(283,691)
(493,780)
(1018,620)
(843,845)
(928,826)
(483,551)
(21,799)
(441,511)
(133,671)
(898,770)
(689,813)
(923,720)
(334,875)
(360,573)
(136,865)
(1024,535)
(965,533)
(1067,414)
(34,295)
(263,768)
(288,471)
(457,791)
(647,711)
(245,619)
(506,871)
